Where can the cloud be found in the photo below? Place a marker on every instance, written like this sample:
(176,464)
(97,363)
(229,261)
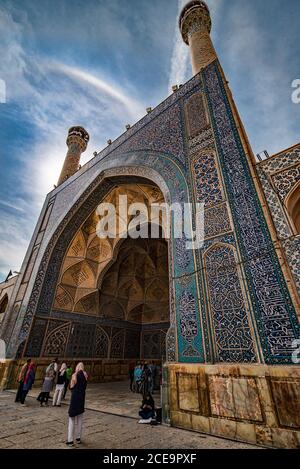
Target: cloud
(51,96)
(180,56)
(261,84)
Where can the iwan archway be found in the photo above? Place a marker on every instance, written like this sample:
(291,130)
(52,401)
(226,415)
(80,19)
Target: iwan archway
(111,299)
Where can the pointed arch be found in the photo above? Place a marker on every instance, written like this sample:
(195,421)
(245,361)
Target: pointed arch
(3,306)
(292,204)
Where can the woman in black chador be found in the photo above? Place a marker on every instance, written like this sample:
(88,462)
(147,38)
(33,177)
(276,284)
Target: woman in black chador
(147,411)
(76,410)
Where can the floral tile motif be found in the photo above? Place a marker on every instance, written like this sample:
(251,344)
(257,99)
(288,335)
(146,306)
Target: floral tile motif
(278,215)
(285,181)
(233,337)
(196,116)
(292,249)
(216,221)
(164,134)
(207,181)
(275,314)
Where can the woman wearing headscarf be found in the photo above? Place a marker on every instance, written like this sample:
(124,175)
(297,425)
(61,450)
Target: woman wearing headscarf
(28,382)
(47,384)
(78,386)
(60,385)
(21,377)
(147,410)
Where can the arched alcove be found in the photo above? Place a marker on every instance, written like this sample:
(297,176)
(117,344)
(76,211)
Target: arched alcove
(3,306)
(293,207)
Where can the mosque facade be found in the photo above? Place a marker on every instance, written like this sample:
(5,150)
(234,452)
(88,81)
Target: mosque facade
(224,318)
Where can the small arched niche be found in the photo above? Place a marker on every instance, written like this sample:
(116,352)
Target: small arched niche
(293,208)
(3,306)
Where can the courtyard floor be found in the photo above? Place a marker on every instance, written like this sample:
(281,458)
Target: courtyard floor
(109,422)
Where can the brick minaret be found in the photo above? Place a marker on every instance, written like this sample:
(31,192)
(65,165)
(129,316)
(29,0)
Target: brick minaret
(77,142)
(195,27)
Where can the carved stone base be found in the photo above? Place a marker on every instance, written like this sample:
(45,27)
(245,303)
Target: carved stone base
(253,403)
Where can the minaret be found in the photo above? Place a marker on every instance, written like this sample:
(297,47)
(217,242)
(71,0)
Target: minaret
(195,27)
(77,142)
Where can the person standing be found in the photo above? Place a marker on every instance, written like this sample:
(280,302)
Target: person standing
(28,382)
(146,380)
(69,372)
(76,409)
(137,377)
(131,376)
(47,384)
(20,380)
(152,367)
(60,385)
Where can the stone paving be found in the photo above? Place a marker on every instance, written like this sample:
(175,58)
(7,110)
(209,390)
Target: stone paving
(35,427)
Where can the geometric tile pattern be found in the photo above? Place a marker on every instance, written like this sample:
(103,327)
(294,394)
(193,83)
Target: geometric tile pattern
(216,221)
(286,180)
(275,314)
(208,188)
(196,117)
(233,337)
(279,175)
(176,132)
(278,215)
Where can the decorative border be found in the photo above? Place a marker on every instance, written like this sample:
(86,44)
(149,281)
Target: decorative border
(259,256)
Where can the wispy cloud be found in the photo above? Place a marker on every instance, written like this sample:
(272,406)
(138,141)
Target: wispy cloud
(51,96)
(264,90)
(180,57)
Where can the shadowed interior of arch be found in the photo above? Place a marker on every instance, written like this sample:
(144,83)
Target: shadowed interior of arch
(119,284)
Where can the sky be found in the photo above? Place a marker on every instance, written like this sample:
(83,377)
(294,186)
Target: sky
(101,63)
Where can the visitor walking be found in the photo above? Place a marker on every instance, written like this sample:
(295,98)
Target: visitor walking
(20,379)
(76,410)
(48,383)
(138,377)
(60,385)
(131,377)
(147,410)
(146,380)
(69,372)
(28,382)
(152,367)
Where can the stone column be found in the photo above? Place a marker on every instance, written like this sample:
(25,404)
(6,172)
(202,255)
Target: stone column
(195,27)
(77,142)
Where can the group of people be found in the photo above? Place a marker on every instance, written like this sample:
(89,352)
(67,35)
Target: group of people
(63,378)
(144,378)
(60,378)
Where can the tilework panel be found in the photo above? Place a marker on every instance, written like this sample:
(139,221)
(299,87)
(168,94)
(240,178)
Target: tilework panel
(292,251)
(207,182)
(278,215)
(196,116)
(275,314)
(286,180)
(165,134)
(233,338)
(216,221)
